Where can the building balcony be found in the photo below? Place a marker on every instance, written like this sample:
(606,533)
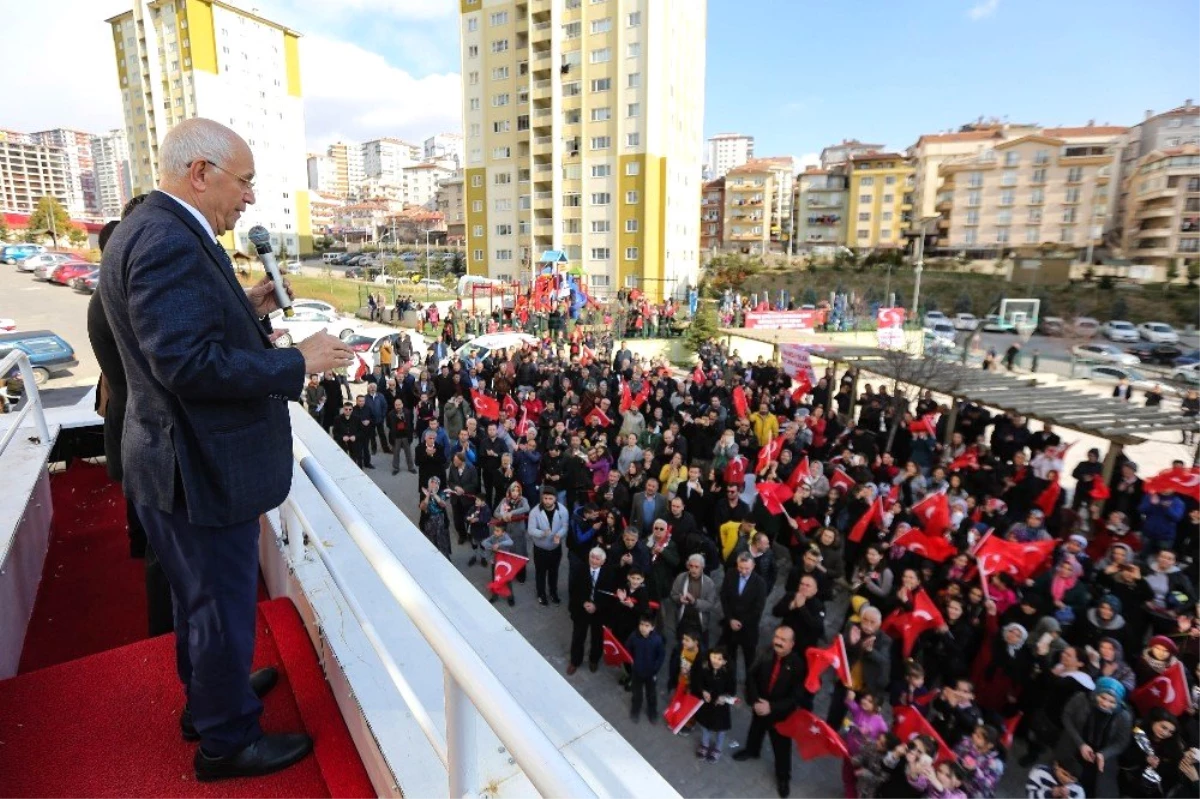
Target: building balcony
(1151,252)
(541,89)
(1153,233)
(543,145)
(1162,191)
(744,186)
(1155,211)
(745,237)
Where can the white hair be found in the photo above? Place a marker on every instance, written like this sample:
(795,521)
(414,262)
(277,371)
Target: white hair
(870,612)
(194,140)
(598,551)
(696,558)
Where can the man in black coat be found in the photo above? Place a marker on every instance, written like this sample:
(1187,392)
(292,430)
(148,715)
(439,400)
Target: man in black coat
(743,597)
(587,602)
(774,688)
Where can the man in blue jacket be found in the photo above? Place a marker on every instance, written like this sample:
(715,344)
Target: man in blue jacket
(377,407)
(1161,514)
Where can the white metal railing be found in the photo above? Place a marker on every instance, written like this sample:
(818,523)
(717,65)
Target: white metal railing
(471,687)
(33,400)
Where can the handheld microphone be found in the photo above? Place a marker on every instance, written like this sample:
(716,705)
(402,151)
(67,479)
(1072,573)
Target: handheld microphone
(261,240)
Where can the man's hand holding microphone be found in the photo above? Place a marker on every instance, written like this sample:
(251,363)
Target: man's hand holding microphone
(323,353)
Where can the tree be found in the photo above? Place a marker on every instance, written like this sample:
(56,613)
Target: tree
(1120,309)
(729,271)
(1089,275)
(911,373)
(1193,273)
(51,217)
(77,235)
(809,297)
(1172,274)
(1106,283)
(3,228)
(703,328)
(963,303)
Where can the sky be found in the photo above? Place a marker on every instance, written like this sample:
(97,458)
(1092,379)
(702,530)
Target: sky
(798,75)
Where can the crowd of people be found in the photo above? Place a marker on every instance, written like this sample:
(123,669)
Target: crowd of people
(965,576)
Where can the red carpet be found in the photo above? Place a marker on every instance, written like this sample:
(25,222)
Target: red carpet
(92,596)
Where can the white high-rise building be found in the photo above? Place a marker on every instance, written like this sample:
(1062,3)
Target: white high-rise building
(76,147)
(584,135)
(445,147)
(206,58)
(110,159)
(322,174)
(726,151)
(384,160)
(28,172)
(421,183)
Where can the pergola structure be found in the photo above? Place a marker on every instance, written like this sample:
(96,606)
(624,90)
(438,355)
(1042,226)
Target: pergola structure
(1103,417)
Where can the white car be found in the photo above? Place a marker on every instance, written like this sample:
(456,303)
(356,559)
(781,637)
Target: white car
(314,305)
(1188,375)
(1104,352)
(1115,374)
(1158,333)
(1117,330)
(995,323)
(940,328)
(306,321)
(366,344)
(480,346)
(1084,327)
(33,262)
(934,316)
(965,321)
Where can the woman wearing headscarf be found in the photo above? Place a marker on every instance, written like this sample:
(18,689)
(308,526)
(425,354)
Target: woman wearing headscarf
(1158,656)
(1108,660)
(1061,592)
(1099,622)
(1052,689)
(1003,669)
(1096,729)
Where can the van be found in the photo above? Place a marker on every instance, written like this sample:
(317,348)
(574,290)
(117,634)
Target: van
(328,257)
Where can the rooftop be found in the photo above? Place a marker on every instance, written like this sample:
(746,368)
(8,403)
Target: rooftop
(1085,130)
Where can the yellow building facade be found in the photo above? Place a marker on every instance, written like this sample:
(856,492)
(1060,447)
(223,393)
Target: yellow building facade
(880,202)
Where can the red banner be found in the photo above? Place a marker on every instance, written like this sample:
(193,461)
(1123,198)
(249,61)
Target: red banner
(785,320)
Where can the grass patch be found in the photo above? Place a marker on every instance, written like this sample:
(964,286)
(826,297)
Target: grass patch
(348,296)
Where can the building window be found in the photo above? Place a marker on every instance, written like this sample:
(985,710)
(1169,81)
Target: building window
(499,45)
(631,253)
(634,19)
(887,216)
(571,30)
(477,231)
(631,198)
(477,206)
(600,56)
(473,78)
(601,84)
(601,142)
(1068,216)
(476,180)
(502,178)
(503,230)
(888,199)
(634,81)
(601,198)
(504,255)
(1035,216)
(890,180)
(863,199)
(502,205)
(601,114)
(865,216)
(473,51)
(864,234)
(969,237)
(1006,197)
(498,73)
(975,179)
(501,152)
(972,217)
(1012,158)
(600,254)
(631,226)
(572,89)
(973,198)
(1004,218)
(1072,195)
(868,181)
(633,50)
(478,255)
(602,25)
(1002,235)
(634,110)
(498,18)
(1031,235)
(633,139)
(1075,174)
(601,170)
(601,226)
(499,100)
(473,104)
(1036,197)
(1066,234)
(633,168)
(472,24)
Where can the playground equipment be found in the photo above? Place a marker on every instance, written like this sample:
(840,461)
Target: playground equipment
(554,281)
(493,290)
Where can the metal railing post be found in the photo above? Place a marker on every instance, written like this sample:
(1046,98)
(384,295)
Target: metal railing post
(460,739)
(33,400)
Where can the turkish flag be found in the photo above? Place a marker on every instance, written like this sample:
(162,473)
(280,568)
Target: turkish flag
(1035,556)
(1010,729)
(834,657)
(909,626)
(798,474)
(934,513)
(698,375)
(1048,499)
(933,547)
(485,406)
(740,406)
(508,566)
(640,398)
(1185,481)
(803,389)
(586,355)
(889,318)
(874,515)
(524,426)
(967,460)
(926,424)
(1168,690)
(681,708)
(1099,490)
(841,481)
(735,471)
(909,723)
(626,398)
(615,654)
(774,495)
(995,555)
(769,453)
(814,738)
(596,416)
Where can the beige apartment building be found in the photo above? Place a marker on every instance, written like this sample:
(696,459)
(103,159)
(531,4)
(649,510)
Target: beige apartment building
(712,216)
(758,205)
(28,172)
(451,204)
(584,135)
(1162,209)
(1031,190)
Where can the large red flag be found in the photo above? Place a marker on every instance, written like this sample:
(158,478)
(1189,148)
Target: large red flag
(934,513)
(681,708)
(735,471)
(615,653)
(933,547)
(798,474)
(842,481)
(774,495)
(926,424)
(1048,499)
(1168,690)
(1099,490)
(909,626)
(833,656)
(485,407)
(626,397)
(769,453)
(508,566)
(910,723)
(967,460)
(874,515)
(509,406)
(644,394)
(740,406)
(1035,556)
(994,555)
(814,738)
(1184,481)
(803,389)
(595,415)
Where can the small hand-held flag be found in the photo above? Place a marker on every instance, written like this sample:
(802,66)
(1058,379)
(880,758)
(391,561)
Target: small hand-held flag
(841,481)
(485,407)
(1168,690)
(909,723)
(873,516)
(740,404)
(508,566)
(832,656)
(814,738)
(681,708)
(615,653)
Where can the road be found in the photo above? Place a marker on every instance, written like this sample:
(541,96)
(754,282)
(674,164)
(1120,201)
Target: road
(35,305)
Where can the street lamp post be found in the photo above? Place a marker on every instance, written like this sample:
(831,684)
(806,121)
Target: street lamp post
(428,274)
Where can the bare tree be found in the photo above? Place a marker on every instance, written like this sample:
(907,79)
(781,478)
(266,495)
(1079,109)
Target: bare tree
(912,372)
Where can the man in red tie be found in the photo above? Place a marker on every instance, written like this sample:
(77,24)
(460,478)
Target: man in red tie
(774,688)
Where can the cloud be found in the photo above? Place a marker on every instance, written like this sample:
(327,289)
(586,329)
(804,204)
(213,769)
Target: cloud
(983,9)
(807,160)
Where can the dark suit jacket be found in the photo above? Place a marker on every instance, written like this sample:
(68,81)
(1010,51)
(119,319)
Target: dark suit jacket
(207,408)
(579,590)
(104,345)
(788,692)
(748,607)
(635,512)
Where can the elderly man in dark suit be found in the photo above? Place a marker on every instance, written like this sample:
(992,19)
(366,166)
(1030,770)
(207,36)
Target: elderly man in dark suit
(207,436)
(743,598)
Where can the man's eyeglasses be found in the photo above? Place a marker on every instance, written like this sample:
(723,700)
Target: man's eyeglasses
(247,183)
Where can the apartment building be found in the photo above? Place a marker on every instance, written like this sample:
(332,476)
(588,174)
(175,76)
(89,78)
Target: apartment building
(1179,127)
(839,154)
(1162,222)
(712,216)
(1032,190)
(934,149)
(28,172)
(384,160)
(110,161)
(451,204)
(208,58)
(76,147)
(880,200)
(726,151)
(421,183)
(322,174)
(347,168)
(445,147)
(822,200)
(584,135)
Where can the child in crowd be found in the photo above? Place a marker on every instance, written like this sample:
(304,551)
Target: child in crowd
(478,521)
(684,658)
(632,602)
(862,727)
(648,651)
(500,541)
(943,781)
(913,692)
(714,682)
(1053,782)
(869,771)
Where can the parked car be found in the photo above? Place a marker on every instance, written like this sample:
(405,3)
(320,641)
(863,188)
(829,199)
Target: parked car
(314,305)
(15,253)
(1085,327)
(481,346)
(86,284)
(1114,374)
(35,262)
(1119,330)
(47,271)
(934,316)
(1155,353)
(1188,375)
(1189,357)
(1158,332)
(366,344)
(329,257)
(940,329)
(938,345)
(995,323)
(49,355)
(1051,326)
(306,321)
(64,273)
(965,321)
(1104,352)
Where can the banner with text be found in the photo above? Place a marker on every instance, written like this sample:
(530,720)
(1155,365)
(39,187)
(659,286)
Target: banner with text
(795,360)
(785,320)
(890,327)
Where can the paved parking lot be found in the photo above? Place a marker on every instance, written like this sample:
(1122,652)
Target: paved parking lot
(35,305)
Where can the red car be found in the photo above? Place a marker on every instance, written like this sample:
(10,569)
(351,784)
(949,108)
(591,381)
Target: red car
(63,273)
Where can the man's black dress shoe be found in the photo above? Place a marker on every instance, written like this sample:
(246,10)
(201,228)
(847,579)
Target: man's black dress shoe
(784,788)
(261,682)
(267,755)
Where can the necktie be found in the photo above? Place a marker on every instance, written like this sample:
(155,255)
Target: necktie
(594,577)
(774,674)
(741,585)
